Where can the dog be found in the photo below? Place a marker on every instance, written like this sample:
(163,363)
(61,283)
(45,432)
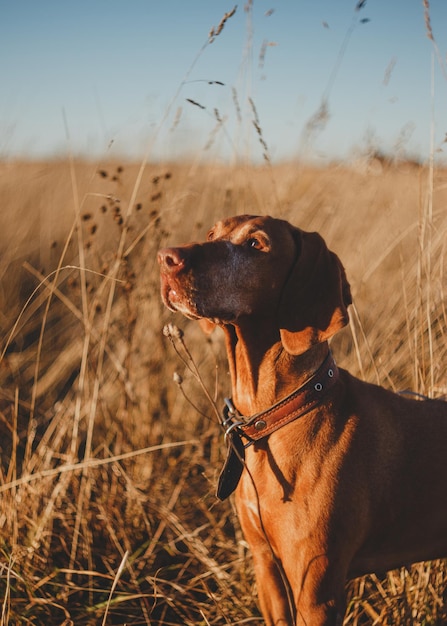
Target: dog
(334,477)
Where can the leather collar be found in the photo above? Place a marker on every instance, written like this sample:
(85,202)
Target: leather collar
(263,424)
(300,402)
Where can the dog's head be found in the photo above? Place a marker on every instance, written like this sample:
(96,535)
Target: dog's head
(259,266)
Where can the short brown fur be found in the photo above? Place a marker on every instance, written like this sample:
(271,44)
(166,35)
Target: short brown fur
(357,485)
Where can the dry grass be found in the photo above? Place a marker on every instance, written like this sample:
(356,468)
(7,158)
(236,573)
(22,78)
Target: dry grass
(107,472)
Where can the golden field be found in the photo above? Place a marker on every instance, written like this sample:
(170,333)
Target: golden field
(108,467)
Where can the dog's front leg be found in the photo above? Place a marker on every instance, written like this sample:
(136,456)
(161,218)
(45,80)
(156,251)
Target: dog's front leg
(318,615)
(274,593)
(284,602)
(319,594)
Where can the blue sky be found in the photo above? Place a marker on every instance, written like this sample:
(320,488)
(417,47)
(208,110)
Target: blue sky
(113,77)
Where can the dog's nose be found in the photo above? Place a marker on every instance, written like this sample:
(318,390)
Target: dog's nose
(171,260)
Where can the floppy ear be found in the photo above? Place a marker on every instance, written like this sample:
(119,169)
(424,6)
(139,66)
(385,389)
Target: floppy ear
(315,298)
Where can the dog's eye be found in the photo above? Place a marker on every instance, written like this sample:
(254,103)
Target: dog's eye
(254,243)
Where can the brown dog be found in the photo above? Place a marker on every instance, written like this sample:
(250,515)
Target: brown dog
(341,477)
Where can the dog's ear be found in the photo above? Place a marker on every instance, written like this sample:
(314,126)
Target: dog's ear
(207,325)
(315,298)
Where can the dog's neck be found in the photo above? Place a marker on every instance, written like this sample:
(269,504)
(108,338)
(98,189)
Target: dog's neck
(262,372)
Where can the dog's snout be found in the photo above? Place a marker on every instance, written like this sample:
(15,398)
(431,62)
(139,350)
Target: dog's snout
(171,260)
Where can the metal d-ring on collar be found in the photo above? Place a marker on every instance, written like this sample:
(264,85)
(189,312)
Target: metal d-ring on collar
(231,415)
